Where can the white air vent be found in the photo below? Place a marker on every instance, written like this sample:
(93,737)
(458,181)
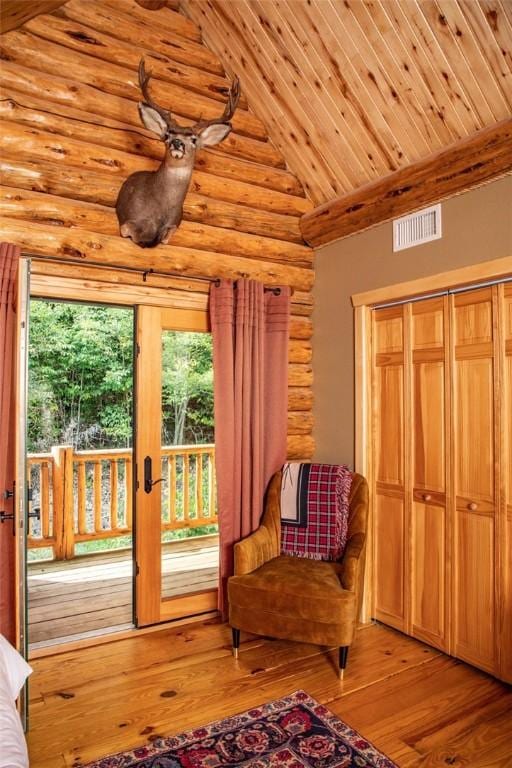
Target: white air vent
(417,228)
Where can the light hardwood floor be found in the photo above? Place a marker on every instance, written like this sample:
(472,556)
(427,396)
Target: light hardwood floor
(421,708)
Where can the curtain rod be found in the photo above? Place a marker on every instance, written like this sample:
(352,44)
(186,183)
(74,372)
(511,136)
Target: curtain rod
(145,272)
(274,289)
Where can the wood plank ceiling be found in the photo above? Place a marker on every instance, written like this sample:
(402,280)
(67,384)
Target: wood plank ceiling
(352,90)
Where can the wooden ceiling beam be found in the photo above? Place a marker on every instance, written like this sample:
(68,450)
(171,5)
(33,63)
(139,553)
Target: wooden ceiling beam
(468,163)
(85,247)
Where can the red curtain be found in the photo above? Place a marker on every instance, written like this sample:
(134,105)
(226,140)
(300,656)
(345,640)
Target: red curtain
(250,329)
(9,258)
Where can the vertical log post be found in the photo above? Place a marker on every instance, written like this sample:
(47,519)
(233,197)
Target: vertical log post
(199,485)
(128,493)
(45,500)
(211,484)
(63,512)
(172,489)
(82,501)
(186,484)
(114,523)
(97,497)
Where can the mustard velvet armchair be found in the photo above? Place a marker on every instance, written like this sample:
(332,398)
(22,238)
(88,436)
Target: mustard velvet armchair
(294,598)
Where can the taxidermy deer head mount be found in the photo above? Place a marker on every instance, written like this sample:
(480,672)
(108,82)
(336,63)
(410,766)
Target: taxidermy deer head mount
(150,203)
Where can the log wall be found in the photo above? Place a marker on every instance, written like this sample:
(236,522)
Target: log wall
(71,134)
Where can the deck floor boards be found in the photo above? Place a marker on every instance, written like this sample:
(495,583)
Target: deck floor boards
(420,707)
(94,592)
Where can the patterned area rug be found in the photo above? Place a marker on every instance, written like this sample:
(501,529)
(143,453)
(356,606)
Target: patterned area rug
(293,732)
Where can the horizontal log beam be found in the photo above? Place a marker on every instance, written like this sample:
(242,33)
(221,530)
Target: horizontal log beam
(300,399)
(300,447)
(66,121)
(476,160)
(45,284)
(25,49)
(114,22)
(300,423)
(121,278)
(165,19)
(300,351)
(43,208)
(102,188)
(80,37)
(300,375)
(92,248)
(14,13)
(301,328)
(102,106)
(155,5)
(34,144)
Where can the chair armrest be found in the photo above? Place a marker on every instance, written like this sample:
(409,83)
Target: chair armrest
(352,562)
(352,557)
(265,543)
(254,551)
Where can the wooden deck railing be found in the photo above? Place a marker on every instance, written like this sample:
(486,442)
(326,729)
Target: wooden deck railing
(87,495)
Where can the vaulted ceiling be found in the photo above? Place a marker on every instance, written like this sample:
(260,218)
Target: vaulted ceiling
(351,90)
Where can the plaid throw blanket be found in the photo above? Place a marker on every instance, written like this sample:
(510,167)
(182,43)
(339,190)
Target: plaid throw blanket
(314,510)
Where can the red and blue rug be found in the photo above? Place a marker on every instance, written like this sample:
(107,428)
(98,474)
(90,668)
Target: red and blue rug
(293,732)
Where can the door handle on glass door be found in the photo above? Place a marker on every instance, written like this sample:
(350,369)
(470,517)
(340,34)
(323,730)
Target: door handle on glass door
(148,471)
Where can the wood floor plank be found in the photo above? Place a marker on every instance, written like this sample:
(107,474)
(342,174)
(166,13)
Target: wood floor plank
(424,709)
(93,592)
(476,713)
(486,745)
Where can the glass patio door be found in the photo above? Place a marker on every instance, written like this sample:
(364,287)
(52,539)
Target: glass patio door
(176,548)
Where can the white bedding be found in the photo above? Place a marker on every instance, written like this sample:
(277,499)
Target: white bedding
(14,670)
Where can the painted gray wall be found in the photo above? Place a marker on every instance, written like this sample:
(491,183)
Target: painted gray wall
(477,226)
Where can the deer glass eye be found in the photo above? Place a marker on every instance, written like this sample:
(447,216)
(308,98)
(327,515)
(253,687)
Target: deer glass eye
(194,139)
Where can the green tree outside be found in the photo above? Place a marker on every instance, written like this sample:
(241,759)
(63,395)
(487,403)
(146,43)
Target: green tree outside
(81,380)
(80,376)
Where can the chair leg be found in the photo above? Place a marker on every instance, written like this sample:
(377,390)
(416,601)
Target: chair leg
(236,641)
(343,659)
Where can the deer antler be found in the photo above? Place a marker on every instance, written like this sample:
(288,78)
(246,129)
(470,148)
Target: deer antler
(229,109)
(144,79)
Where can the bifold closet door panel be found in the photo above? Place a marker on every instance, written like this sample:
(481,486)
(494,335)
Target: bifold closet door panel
(429,449)
(506,484)
(389,431)
(474,457)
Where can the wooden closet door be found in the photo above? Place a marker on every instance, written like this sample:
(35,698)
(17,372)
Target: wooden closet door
(505,534)
(389,462)
(429,437)
(473,615)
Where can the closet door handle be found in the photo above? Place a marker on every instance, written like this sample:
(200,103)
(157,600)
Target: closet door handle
(472,506)
(426,497)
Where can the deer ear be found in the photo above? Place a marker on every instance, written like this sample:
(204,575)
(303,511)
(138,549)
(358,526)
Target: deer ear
(213,134)
(152,119)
